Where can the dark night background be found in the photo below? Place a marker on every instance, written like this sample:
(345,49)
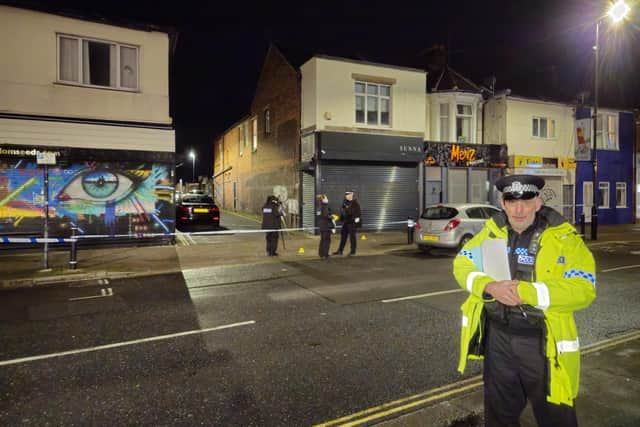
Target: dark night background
(537,48)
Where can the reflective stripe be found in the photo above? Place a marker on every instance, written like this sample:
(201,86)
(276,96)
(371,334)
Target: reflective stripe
(568,346)
(543,295)
(471,277)
(465,321)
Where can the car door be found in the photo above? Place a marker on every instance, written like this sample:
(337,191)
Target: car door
(477,218)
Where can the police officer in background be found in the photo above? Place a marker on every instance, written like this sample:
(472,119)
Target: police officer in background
(326,225)
(350,217)
(524,326)
(272,211)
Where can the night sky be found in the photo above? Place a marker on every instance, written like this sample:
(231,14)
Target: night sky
(539,48)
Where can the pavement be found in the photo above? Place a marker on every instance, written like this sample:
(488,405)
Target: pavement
(610,382)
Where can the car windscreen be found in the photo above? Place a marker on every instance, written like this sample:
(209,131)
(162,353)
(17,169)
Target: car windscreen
(439,212)
(200,198)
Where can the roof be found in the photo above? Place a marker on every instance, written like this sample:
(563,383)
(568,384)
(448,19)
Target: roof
(449,80)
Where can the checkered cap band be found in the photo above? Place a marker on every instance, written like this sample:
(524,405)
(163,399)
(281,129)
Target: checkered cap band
(518,187)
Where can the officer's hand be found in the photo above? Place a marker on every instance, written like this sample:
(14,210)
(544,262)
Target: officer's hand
(504,291)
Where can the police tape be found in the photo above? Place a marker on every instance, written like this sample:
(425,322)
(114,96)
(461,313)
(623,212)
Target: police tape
(365,227)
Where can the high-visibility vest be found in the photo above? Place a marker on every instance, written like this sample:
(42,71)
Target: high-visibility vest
(565,282)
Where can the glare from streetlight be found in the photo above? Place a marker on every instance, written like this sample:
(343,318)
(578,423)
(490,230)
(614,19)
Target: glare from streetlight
(192,154)
(619,11)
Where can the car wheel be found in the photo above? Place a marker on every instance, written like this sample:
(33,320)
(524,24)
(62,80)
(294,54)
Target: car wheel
(464,241)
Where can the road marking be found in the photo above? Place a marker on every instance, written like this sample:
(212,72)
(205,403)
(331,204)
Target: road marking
(122,344)
(103,293)
(626,267)
(449,390)
(405,403)
(430,294)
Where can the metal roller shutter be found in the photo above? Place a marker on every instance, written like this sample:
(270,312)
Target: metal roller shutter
(308,202)
(388,195)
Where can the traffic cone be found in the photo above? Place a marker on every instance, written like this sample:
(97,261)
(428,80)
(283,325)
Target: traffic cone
(301,250)
(363,237)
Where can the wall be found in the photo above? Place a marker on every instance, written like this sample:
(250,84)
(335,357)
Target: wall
(104,192)
(332,105)
(28,70)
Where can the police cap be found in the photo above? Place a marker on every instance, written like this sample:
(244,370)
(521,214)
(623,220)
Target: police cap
(346,193)
(520,186)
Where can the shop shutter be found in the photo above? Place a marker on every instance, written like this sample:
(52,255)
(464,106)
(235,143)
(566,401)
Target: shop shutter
(388,194)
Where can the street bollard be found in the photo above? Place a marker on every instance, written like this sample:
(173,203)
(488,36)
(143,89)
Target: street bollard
(582,225)
(411,226)
(73,263)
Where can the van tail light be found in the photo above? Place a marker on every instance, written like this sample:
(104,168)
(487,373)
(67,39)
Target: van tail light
(214,210)
(184,212)
(452,224)
(418,226)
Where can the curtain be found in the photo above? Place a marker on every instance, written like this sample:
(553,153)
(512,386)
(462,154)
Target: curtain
(68,59)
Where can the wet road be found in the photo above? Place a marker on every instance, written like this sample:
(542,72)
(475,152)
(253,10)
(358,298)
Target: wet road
(293,343)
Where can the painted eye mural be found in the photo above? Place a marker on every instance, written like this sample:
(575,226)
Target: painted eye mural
(99,186)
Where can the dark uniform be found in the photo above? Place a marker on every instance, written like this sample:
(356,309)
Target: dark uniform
(271,213)
(515,365)
(326,227)
(350,217)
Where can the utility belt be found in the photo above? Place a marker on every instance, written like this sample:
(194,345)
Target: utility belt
(519,320)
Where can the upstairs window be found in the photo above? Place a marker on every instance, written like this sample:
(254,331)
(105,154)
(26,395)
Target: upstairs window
(607,124)
(464,116)
(543,127)
(89,62)
(254,133)
(373,103)
(240,139)
(444,122)
(267,122)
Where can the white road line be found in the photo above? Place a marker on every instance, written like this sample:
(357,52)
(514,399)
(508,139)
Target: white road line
(423,295)
(625,267)
(122,344)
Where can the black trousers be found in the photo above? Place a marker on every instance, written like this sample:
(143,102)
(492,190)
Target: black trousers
(348,229)
(272,242)
(325,243)
(514,371)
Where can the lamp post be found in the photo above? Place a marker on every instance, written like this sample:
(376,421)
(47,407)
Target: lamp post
(617,12)
(192,154)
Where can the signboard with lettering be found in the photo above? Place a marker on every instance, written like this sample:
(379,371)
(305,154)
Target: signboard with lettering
(469,155)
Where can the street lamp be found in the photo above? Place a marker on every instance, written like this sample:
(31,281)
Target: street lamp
(192,154)
(617,13)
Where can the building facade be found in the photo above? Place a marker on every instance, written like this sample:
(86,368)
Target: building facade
(540,138)
(93,100)
(362,130)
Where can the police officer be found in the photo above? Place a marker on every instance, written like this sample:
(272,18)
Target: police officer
(524,327)
(271,213)
(326,224)
(350,217)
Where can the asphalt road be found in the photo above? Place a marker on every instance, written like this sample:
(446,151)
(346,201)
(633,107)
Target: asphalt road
(275,344)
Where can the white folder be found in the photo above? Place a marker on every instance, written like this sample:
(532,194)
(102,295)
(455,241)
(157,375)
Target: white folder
(495,262)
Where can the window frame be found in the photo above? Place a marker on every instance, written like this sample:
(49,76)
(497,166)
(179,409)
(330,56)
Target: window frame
(604,190)
(254,134)
(267,121)
(240,139)
(550,124)
(379,98)
(621,202)
(464,116)
(444,130)
(600,131)
(118,45)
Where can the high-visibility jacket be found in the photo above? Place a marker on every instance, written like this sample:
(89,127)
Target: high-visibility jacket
(565,281)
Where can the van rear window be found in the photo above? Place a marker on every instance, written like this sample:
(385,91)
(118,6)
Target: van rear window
(439,212)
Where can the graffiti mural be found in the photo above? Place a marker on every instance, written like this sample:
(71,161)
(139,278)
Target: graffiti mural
(113,198)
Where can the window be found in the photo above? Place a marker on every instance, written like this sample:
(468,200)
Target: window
(245,134)
(444,122)
(610,130)
(240,138)
(373,102)
(604,195)
(464,116)
(254,134)
(476,213)
(221,152)
(543,127)
(89,62)
(621,194)
(267,122)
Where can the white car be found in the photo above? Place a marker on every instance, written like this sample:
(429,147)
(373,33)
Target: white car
(451,225)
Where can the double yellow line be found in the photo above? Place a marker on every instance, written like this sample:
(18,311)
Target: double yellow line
(411,402)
